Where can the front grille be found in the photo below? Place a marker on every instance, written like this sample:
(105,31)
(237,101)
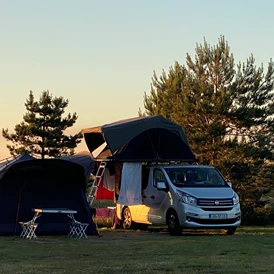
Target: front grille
(215,202)
(216,208)
(213,221)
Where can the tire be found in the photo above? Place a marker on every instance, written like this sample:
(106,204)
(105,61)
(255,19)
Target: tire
(127,219)
(231,231)
(173,223)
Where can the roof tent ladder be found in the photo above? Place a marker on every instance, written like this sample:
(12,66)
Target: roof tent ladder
(96,182)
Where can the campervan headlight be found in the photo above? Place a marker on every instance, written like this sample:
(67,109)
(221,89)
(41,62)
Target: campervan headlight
(186,198)
(235,199)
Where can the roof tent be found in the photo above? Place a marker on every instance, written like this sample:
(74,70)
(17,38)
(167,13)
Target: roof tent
(147,139)
(27,183)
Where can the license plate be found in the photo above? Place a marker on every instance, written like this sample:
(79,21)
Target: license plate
(218,216)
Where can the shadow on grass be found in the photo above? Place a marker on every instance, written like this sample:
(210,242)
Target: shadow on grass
(164,231)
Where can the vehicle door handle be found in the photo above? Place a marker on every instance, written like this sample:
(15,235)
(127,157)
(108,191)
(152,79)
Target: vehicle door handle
(152,197)
(144,196)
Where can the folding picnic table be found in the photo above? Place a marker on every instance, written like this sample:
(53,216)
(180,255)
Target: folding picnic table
(77,229)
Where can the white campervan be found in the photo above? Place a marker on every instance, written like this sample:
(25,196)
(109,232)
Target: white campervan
(183,196)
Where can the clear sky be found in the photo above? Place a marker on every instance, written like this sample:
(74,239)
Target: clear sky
(100,55)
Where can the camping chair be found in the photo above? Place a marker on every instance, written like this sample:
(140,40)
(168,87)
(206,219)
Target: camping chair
(77,229)
(28,228)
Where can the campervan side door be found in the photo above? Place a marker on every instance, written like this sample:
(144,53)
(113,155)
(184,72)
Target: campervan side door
(158,200)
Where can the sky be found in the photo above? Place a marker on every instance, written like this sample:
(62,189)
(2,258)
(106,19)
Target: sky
(101,55)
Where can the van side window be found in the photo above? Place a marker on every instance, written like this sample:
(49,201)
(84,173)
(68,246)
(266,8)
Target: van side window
(158,176)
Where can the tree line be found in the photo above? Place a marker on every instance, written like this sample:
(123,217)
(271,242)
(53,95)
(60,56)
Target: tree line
(226,110)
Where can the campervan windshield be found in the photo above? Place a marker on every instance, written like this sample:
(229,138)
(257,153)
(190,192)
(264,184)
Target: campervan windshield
(206,176)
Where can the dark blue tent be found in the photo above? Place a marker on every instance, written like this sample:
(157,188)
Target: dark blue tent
(27,183)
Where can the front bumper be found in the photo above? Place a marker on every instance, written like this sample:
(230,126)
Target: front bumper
(207,217)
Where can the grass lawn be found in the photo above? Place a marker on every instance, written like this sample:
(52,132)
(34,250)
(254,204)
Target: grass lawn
(250,250)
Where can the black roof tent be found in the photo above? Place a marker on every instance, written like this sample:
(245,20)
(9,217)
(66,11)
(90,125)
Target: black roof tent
(147,139)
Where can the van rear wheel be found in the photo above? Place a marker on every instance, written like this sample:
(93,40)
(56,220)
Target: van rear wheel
(173,223)
(127,219)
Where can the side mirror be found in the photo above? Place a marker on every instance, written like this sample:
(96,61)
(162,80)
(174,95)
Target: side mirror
(161,186)
(230,184)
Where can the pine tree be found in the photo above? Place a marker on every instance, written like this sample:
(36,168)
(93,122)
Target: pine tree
(227,114)
(41,134)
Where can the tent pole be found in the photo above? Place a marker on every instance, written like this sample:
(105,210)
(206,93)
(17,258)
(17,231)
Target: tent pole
(17,213)
(18,206)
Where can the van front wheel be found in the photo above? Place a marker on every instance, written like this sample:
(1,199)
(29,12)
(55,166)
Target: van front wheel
(127,220)
(173,223)
(230,231)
